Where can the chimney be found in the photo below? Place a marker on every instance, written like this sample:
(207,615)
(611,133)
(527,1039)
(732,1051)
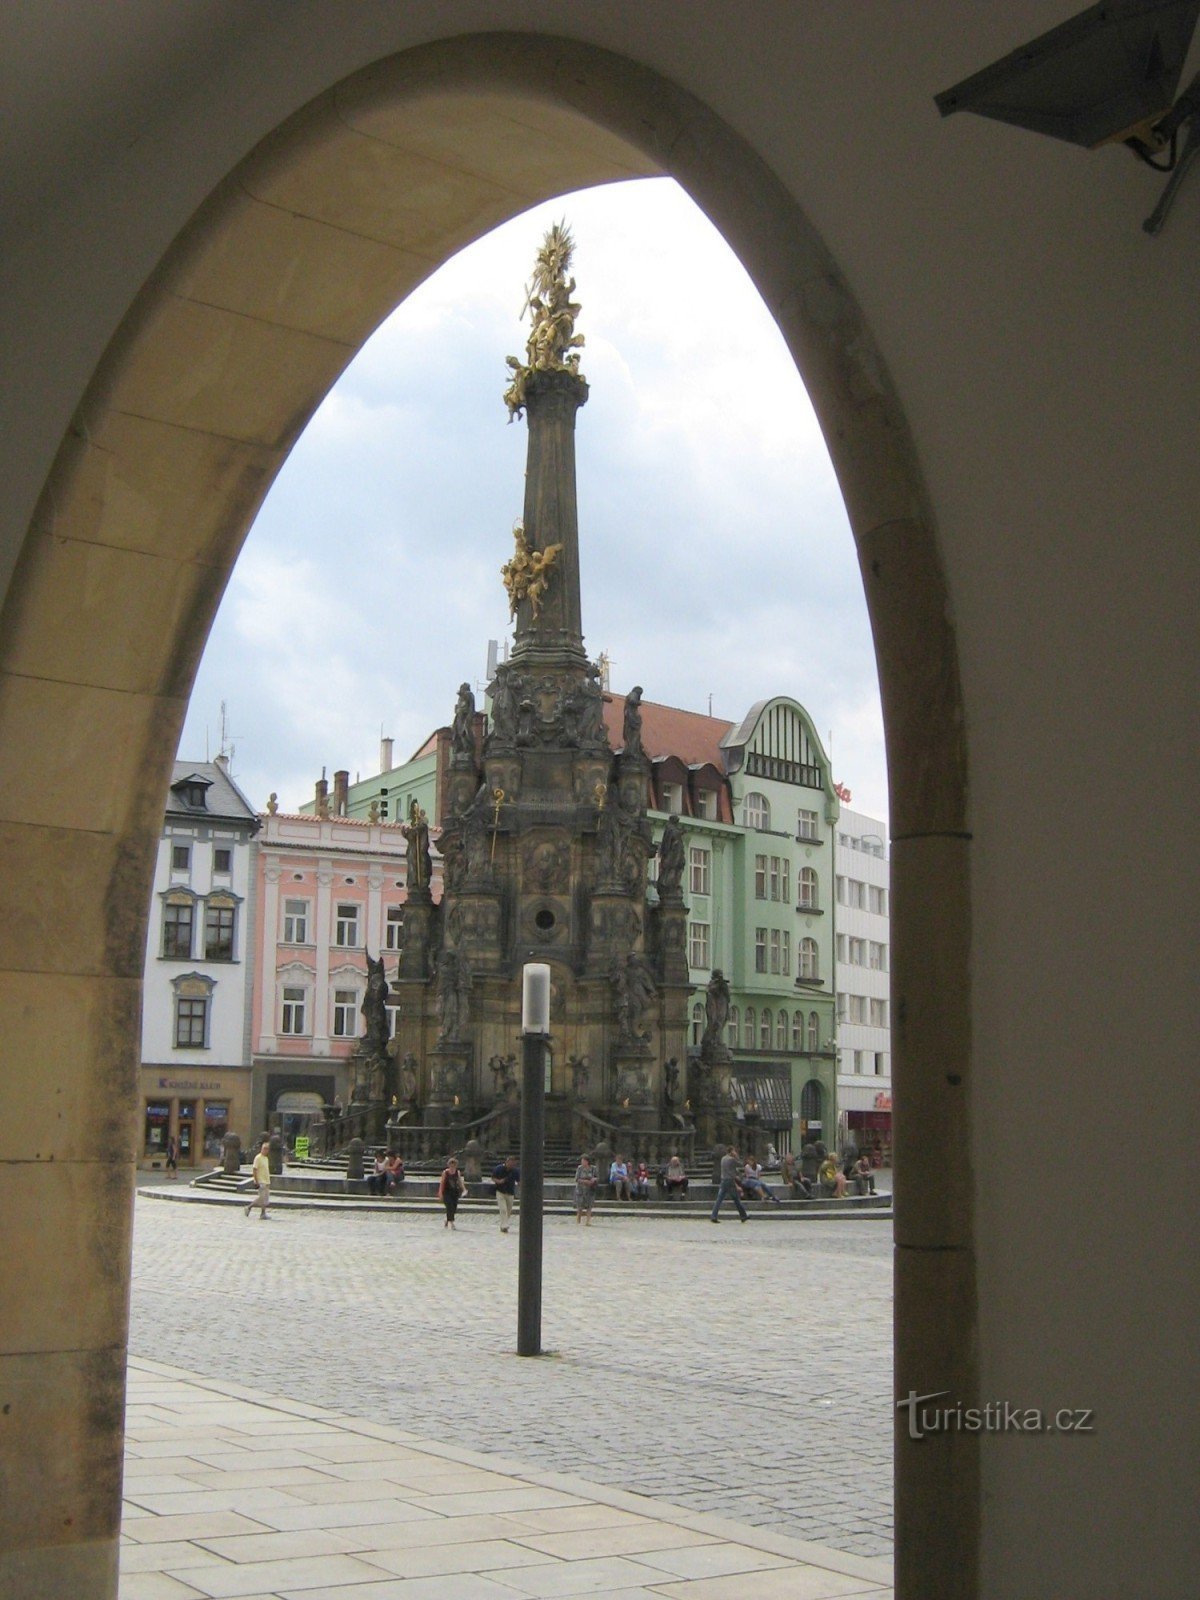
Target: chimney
(341,792)
(385,755)
(321,798)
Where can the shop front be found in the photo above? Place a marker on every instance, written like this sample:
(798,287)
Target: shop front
(193,1114)
(868,1124)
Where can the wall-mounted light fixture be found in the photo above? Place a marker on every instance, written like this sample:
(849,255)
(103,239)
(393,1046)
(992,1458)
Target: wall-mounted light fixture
(1108,75)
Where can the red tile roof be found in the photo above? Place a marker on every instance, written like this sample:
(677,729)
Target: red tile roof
(667,731)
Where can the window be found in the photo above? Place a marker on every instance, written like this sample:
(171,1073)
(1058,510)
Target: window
(781,1031)
(880,1064)
(879,1010)
(808,888)
(223,861)
(856,1008)
(750,1026)
(706,804)
(877,954)
(177,931)
(393,1016)
(756,812)
(764,1031)
(294,1012)
(698,944)
(785,881)
(345,1009)
(858,952)
(814,1032)
(760,949)
(700,862)
(697,1023)
(733,1026)
(671,795)
(786,953)
(878,900)
(191,1023)
(181,857)
(858,893)
(345,932)
(773,878)
(841,947)
(797,1030)
(776,942)
(295,922)
(393,937)
(760,877)
(809,966)
(218,930)
(806,825)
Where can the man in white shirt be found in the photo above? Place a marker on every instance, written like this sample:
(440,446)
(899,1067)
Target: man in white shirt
(262,1180)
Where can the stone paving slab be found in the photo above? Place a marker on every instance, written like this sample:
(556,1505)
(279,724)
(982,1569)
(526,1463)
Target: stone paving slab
(742,1371)
(594,1540)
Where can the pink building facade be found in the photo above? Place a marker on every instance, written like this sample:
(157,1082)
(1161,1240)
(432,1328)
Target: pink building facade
(328,891)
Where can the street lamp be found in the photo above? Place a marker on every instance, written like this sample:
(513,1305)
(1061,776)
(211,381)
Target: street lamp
(535,1029)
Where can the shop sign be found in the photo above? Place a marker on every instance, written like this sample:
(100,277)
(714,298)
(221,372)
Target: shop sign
(189,1084)
(301,1147)
(883,1102)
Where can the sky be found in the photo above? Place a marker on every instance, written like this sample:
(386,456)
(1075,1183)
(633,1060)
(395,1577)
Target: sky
(716,558)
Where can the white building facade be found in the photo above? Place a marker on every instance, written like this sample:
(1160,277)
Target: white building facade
(862,893)
(198,976)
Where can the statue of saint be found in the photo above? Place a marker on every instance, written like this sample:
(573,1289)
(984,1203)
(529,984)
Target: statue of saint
(670,858)
(476,836)
(579,1076)
(611,829)
(633,722)
(716,1009)
(506,692)
(634,993)
(453,995)
(462,729)
(416,833)
(553,345)
(374,1041)
(408,1077)
(591,715)
(670,1083)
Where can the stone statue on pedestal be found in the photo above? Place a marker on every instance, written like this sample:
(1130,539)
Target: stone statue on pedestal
(670,859)
(462,729)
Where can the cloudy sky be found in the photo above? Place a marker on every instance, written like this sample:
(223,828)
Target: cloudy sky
(716,557)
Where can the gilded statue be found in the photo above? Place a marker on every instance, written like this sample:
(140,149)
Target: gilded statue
(553,345)
(527,575)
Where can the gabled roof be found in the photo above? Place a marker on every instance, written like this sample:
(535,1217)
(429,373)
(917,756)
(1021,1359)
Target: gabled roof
(222,797)
(667,731)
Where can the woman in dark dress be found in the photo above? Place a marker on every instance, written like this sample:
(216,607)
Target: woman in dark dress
(451,1188)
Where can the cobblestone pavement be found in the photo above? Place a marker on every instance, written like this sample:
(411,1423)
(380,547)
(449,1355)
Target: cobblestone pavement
(744,1372)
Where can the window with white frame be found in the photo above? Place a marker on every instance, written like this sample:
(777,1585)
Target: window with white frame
(219,926)
(222,861)
(841,947)
(700,864)
(814,1032)
(879,1013)
(764,1030)
(760,877)
(294,1018)
(345,927)
(760,949)
(177,930)
(697,1023)
(877,956)
(295,922)
(806,824)
(881,1064)
(698,950)
(732,1027)
(393,934)
(671,797)
(773,878)
(756,811)
(751,1021)
(393,1017)
(781,1031)
(807,888)
(843,1007)
(856,1008)
(858,952)
(181,857)
(785,953)
(797,1030)
(809,961)
(858,893)
(191,1022)
(878,900)
(706,804)
(345,1013)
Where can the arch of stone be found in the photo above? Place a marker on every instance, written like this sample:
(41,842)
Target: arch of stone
(239,334)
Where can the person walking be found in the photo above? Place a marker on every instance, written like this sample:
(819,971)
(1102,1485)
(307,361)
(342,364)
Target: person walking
(262,1181)
(727,1189)
(506,1177)
(451,1188)
(585,1191)
(172,1158)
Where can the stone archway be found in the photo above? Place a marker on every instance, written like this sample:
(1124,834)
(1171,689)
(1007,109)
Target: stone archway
(230,346)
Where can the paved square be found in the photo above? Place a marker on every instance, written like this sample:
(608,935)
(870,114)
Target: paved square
(741,1371)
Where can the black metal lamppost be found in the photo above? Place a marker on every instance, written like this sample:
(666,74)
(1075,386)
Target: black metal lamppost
(535,1030)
